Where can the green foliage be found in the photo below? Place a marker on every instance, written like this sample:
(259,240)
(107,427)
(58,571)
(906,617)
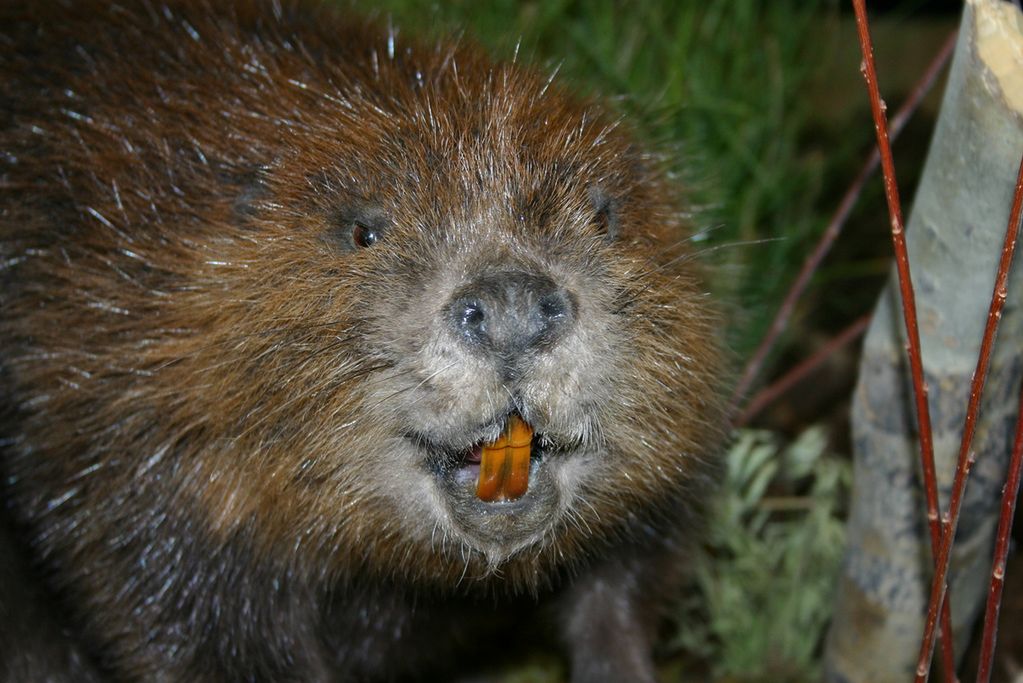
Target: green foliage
(764,582)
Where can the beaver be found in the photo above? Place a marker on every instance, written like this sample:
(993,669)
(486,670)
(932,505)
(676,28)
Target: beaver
(277,281)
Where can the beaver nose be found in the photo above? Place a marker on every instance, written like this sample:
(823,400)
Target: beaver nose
(511,312)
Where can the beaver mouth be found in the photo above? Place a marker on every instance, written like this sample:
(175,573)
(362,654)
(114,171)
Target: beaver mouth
(495,469)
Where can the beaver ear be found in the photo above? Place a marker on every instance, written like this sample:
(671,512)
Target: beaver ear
(605,212)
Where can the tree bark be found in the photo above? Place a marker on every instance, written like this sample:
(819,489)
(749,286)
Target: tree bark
(954,239)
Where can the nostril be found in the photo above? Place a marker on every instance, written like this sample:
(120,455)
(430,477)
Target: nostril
(472,315)
(470,318)
(553,307)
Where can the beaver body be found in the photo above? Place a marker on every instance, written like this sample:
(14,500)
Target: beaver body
(271,276)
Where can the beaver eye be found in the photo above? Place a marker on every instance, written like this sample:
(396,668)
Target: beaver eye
(358,225)
(605,217)
(364,236)
(603,221)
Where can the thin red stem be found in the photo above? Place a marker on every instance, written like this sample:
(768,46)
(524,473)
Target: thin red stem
(768,395)
(891,191)
(994,596)
(966,456)
(837,222)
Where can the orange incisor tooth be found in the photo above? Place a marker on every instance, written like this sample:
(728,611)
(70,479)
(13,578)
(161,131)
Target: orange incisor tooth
(488,486)
(516,478)
(504,464)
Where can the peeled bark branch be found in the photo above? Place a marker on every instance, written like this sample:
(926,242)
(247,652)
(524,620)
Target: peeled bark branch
(954,238)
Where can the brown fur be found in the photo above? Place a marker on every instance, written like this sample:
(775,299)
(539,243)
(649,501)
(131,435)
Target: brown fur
(216,405)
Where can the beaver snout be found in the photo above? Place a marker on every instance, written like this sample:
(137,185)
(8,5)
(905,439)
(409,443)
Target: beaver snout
(511,313)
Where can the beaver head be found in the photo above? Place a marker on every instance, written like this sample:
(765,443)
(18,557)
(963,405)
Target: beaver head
(297,310)
(479,249)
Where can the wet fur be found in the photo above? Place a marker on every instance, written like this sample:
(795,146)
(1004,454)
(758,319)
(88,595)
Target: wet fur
(214,402)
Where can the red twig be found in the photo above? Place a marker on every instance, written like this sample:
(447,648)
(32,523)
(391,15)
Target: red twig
(837,222)
(966,456)
(768,395)
(994,595)
(909,316)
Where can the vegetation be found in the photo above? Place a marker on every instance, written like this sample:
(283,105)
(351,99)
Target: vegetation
(763,587)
